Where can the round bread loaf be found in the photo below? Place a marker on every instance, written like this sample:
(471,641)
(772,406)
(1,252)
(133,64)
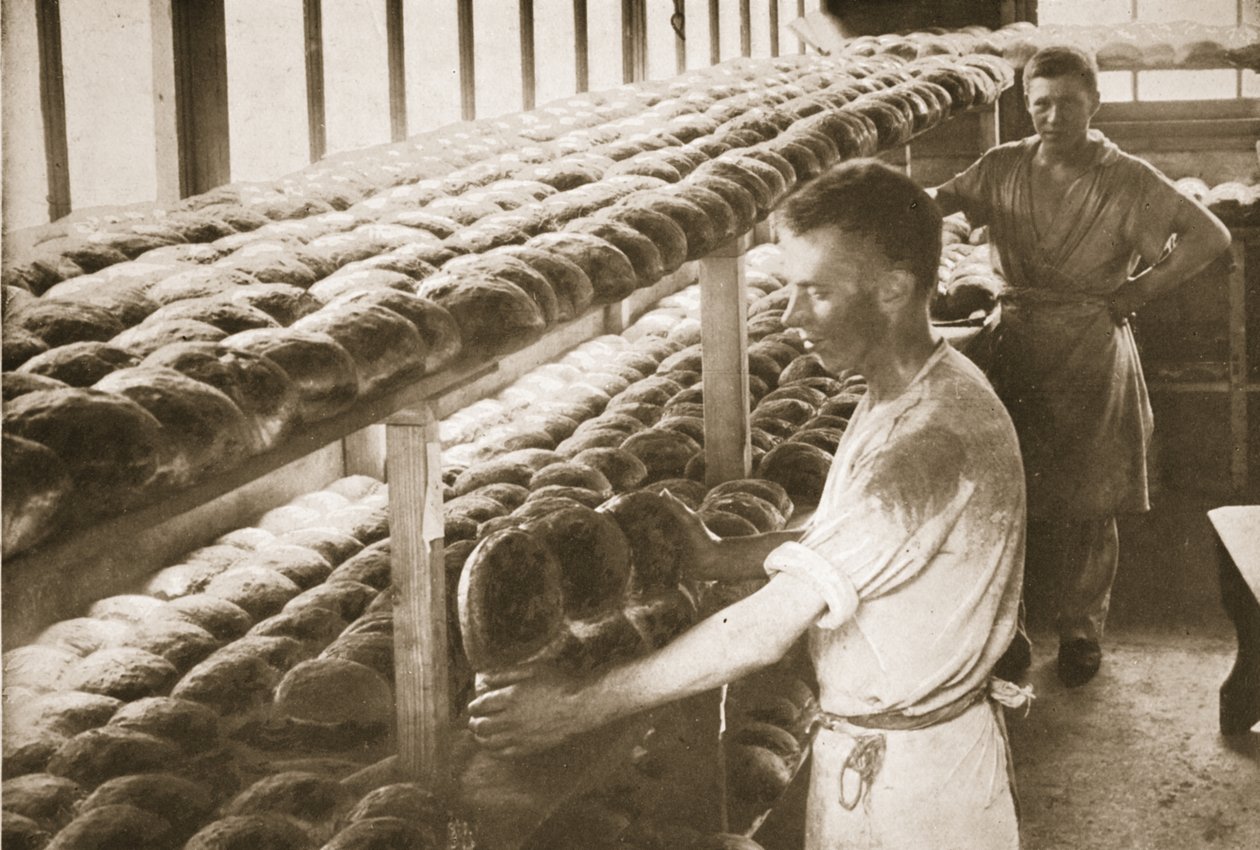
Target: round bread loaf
(661,616)
(407,800)
(493,314)
(79,364)
(668,237)
(581,495)
(313,626)
(335,691)
(768,491)
(623,471)
(592,555)
(385,833)
(373,650)
(225,620)
(506,267)
(573,288)
(124,673)
(345,597)
(370,566)
(687,490)
(226,315)
(474,507)
(644,256)
(592,645)
(757,774)
(725,524)
(60,322)
(191,726)
(20,832)
(180,642)
(763,515)
(301,795)
(203,429)
(186,804)
(510,599)
(17,384)
(664,453)
(511,496)
(259,591)
(36,490)
(229,683)
(332,545)
(251,832)
(321,370)
(385,347)
(570,474)
(609,270)
(114,827)
(801,469)
(436,326)
(47,800)
(659,549)
(108,444)
(144,339)
(96,755)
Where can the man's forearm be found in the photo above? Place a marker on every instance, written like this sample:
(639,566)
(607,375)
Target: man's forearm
(741,558)
(1202,241)
(735,641)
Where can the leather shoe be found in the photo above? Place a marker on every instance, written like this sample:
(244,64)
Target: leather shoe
(1015,662)
(1079,660)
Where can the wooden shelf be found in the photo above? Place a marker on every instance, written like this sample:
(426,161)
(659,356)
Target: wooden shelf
(59,578)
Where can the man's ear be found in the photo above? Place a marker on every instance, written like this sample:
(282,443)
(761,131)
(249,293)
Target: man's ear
(897,288)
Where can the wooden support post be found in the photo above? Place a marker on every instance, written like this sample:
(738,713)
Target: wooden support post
(396,44)
(467,62)
(724,337)
(800,13)
(529,84)
(774,27)
(1238,366)
(419,582)
(627,41)
(165,116)
(745,28)
(680,43)
(52,101)
(363,452)
(316,122)
(581,46)
(201,96)
(715,33)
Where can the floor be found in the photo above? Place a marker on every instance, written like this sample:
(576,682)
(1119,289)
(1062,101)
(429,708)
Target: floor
(1133,760)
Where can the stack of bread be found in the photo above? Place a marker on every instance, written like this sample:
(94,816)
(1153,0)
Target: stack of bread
(1234,202)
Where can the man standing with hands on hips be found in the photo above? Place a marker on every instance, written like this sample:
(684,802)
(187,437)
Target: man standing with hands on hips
(1069,215)
(906,580)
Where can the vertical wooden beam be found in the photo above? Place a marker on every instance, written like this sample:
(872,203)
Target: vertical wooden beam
(52,102)
(1238,376)
(680,40)
(396,45)
(724,351)
(627,41)
(800,13)
(201,96)
(363,452)
(316,121)
(529,84)
(467,62)
(165,116)
(745,27)
(419,586)
(774,27)
(715,33)
(581,46)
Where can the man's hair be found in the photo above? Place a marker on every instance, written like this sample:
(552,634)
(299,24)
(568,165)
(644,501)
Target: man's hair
(878,202)
(1062,60)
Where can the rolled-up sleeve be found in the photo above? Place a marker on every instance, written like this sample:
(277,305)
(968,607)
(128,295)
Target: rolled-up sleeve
(884,525)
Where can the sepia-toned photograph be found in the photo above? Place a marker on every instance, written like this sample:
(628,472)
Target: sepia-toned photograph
(630,424)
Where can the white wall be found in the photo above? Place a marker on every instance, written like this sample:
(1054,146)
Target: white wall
(356,73)
(25,202)
(266,71)
(108,60)
(432,61)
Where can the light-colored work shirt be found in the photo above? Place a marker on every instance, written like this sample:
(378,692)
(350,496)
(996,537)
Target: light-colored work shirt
(917,548)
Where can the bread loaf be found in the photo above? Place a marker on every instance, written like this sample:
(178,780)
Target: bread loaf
(96,755)
(324,375)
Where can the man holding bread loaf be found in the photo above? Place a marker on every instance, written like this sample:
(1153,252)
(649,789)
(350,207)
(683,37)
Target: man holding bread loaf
(1068,214)
(906,580)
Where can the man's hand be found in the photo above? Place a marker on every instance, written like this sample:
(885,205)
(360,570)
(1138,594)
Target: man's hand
(528,710)
(696,538)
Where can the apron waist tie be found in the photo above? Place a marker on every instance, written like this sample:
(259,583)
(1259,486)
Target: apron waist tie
(864,761)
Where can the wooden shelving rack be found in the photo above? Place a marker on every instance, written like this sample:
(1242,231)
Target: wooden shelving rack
(61,578)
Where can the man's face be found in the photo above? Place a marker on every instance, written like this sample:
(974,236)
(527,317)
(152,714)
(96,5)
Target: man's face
(1061,109)
(834,277)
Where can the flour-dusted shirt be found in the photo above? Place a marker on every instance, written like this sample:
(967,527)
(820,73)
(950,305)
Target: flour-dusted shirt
(917,545)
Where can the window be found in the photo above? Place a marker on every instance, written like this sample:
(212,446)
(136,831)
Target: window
(1207,84)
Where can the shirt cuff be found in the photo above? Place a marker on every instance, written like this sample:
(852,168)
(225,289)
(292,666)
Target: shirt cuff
(836,589)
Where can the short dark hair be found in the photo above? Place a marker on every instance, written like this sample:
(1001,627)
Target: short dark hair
(874,200)
(1062,60)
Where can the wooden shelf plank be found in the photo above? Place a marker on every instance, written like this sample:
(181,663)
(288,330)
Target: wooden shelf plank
(31,599)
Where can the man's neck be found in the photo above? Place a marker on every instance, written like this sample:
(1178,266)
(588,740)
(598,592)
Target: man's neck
(1071,155)
(899,362)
